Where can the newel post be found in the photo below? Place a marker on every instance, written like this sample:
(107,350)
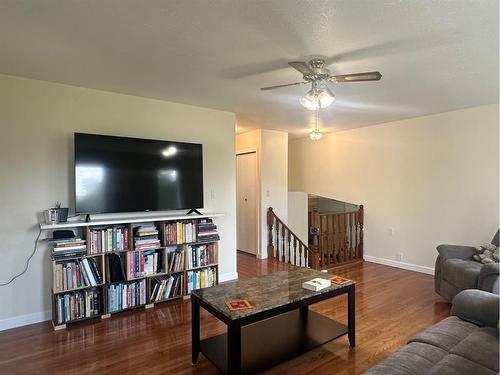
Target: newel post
(270,223)
(361,223)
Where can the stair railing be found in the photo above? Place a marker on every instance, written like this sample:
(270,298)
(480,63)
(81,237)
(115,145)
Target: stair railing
(285,246)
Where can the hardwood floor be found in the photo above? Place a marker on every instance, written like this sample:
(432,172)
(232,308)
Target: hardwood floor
(392,305)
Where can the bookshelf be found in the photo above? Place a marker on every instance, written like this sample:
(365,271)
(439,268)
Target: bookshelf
(116,265)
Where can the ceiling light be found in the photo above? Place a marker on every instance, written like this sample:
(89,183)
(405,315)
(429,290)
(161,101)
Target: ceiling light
(316,134)
(317,97)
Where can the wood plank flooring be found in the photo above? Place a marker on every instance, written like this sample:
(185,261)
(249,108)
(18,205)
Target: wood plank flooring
(392,305)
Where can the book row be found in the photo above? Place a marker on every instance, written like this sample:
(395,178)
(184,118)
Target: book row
(166,287)
(68,247)
(126,295)
(102,240)
(77,305)
(201,255)
(144,263)
(76,274)
(178,232)
(201,278)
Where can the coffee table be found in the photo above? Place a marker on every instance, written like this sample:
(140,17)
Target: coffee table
(278,327)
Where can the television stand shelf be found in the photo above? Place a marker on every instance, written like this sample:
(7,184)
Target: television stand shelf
(158,258)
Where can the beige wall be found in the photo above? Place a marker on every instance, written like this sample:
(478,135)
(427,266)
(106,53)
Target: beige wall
(432,179)
(37,121)
(272,156)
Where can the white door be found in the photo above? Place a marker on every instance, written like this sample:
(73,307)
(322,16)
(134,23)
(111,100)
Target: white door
(246,204)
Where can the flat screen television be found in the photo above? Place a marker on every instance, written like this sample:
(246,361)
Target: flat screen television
(119,174)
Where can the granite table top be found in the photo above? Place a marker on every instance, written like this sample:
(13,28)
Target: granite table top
(264,292)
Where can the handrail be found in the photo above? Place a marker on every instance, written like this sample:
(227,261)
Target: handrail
(292,250)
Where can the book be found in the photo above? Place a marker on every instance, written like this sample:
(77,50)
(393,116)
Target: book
(238,304)
(339,280)
(316,284)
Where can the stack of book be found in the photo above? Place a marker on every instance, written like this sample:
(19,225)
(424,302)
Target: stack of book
(68,247)
(201,278)
(201,255)
(165,288)
(72,275)
(207,231)
(78,305)
(126,295)
(143,263)
(175,259)
(104,240)
(179,232)
(146,238)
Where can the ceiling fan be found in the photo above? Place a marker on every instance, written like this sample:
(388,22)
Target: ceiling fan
(314,72)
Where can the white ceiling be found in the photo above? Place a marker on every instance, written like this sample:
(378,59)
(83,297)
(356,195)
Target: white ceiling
(435,56)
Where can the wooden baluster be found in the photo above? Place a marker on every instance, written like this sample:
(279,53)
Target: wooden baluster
(335,248)
(344,242)
(295,250)
(289,238)
(270,223)
(277,231)
(356,241)
(283,243)
(300,254)
(306,264)
(353,223)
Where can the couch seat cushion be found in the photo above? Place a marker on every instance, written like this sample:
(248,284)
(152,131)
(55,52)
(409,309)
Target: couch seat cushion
(446,334)
(455,365)
(481,346)
(413,359)
(461,273)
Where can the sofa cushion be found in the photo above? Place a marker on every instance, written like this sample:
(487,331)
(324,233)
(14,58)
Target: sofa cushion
(446,334)
(462,273)
(455,365)
(413,359)
(481,346)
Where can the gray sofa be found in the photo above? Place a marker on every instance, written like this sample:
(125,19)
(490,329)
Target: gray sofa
(463,344)
(456,271)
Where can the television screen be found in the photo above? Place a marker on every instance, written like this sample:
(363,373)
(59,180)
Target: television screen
(118,174)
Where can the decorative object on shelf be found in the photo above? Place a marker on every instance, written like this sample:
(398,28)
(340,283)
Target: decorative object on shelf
(318,75)
(56,214)
(316,134)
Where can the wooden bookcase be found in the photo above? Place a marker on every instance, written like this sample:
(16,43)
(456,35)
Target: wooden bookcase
(106,304)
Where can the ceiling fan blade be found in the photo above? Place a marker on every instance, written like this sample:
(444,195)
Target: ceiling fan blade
(279,86)
(356,77)
(301,66)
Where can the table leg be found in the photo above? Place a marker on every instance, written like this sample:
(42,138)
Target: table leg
(233,349)
(195,330)
(351,311)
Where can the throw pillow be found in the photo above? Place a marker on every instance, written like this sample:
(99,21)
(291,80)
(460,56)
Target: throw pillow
(487,253)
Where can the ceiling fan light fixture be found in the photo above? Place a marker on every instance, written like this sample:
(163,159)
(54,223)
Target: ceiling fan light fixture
(315,135)
(317,97)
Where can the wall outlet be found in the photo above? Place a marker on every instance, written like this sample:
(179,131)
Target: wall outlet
(399,257)
(268,193)
(390,232)
(212,194)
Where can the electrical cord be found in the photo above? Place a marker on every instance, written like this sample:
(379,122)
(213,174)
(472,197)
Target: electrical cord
(26,265)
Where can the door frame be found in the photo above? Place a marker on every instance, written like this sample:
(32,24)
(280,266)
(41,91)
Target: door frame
(258,195)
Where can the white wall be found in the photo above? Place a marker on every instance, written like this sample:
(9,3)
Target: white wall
(272,156)
(274,178)
(298,215)
(37,121)
(433,179)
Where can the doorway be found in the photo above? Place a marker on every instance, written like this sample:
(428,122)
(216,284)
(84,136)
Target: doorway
(247,236)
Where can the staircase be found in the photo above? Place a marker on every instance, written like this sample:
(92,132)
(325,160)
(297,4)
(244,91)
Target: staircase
(335,239)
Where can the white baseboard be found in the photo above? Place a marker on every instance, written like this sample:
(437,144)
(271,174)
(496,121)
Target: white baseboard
(397,264)
(228,276)
(23,320)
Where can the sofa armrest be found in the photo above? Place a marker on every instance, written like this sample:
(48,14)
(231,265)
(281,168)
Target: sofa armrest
(477,306)
(456,252)
(489,278)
